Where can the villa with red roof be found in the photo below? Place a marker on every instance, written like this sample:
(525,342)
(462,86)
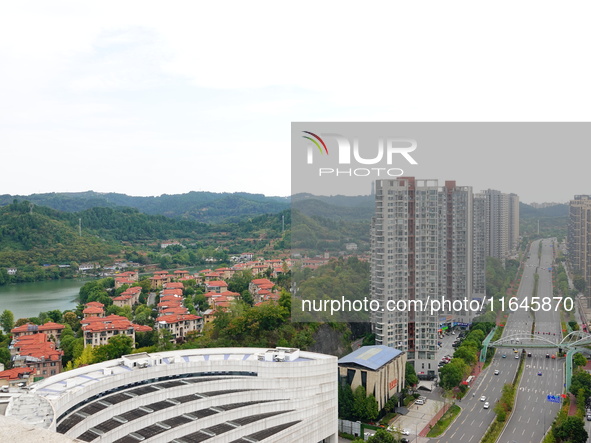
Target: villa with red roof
(98,330)
(16,375)
(50,328)
(93,310)
(218,286)
(37,352)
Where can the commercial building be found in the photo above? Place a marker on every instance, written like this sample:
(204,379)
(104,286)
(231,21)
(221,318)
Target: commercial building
(237,395)
(379,369)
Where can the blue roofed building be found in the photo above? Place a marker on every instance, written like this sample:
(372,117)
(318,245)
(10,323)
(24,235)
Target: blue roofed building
(379,369)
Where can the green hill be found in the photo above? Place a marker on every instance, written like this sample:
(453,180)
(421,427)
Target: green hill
(206,207)
(30,235)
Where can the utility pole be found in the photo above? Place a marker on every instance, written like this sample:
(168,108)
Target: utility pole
(79,227)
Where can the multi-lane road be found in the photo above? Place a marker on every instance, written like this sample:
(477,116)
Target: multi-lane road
(532,413)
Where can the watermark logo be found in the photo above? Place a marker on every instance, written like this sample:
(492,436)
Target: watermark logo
(314,140)
(349,152)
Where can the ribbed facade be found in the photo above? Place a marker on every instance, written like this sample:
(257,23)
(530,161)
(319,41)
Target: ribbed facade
(227,395)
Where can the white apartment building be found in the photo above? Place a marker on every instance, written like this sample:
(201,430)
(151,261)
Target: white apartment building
(405,267)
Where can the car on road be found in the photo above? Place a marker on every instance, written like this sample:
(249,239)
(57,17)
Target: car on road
(529,354)
(486,405)
(540,373)
(504,356)
(405,432)
(496,372)
(588,417)
(483,398)
(547,355)
(516,355)
(553,356)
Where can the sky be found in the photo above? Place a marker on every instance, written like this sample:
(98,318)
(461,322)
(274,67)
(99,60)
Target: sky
(151,98)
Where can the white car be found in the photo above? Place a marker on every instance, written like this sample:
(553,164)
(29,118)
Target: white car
(405,432)
(483,398)
(496,372)
(486,405)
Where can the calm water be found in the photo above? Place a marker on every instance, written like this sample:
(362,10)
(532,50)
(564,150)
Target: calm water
(29,299)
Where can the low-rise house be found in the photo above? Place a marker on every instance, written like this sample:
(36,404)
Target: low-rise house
(94,309)
(179,324)
(52,329)
(37,352)
(15,376)
(218,286)
(98,330)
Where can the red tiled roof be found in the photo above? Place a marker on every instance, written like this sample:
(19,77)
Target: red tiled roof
(122,297)
(174,285)
(93,310)
(49,326)
(37,346)
(216,283)
(259,281)
(174,310)
(95,303)
(15,373)
(177,318)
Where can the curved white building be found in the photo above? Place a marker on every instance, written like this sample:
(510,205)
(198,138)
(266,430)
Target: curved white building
(233,395)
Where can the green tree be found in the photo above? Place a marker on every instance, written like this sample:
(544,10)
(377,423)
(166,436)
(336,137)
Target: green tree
(247,297)
(70,318)
(579,359)
(117,346)
(410,375)
(364,407)
(579,283)
(581,380)
(7,320)
(201,302)
(239,281)
(165,340)
(572,429)
(5,357)
(453,373)
(381,436)
(346,401)
(466,353)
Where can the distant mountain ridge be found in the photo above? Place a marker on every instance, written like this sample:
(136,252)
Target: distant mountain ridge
(206,207)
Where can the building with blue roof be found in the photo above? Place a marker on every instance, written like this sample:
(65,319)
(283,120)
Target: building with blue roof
(379,369)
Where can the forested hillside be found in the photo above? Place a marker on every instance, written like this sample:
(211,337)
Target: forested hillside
(207,207)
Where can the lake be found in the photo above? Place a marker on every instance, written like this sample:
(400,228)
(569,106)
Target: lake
(29,299)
